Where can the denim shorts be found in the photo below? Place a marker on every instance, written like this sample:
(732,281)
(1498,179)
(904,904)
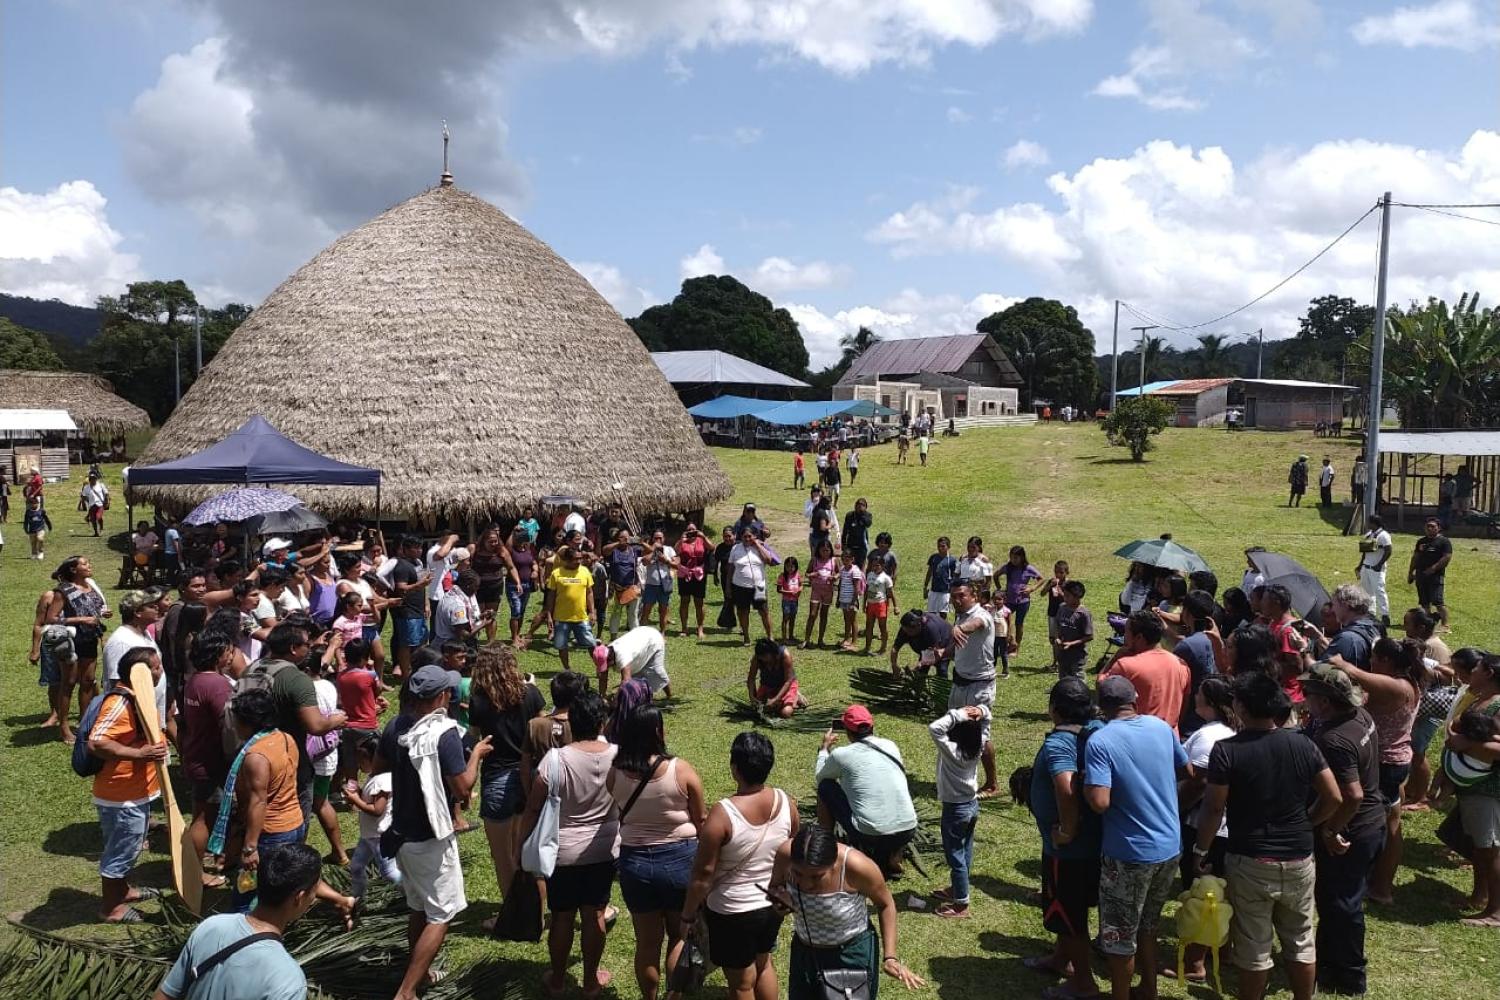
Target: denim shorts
(124,828)
(409,632)
(500,795)
(579,632)
(1392,777)
(243,902)
(789,609)
(1422,732)
(370,633)
(655,593)
(654,879)
(516,599)
(48,673)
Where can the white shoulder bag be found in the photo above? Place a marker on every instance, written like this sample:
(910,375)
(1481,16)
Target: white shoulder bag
(539,853)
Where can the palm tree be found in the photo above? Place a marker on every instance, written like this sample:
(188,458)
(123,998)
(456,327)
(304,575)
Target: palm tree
(1209,356)
(856,343)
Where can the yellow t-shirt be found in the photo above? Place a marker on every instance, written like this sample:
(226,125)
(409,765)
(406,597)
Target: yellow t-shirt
(572,590)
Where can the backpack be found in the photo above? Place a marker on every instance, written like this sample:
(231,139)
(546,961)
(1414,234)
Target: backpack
(86,763)
(259,676)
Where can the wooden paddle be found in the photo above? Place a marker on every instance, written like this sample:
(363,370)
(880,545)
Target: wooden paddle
(187,867)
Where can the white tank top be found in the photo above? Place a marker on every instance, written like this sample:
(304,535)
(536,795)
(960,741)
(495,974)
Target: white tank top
(745,862)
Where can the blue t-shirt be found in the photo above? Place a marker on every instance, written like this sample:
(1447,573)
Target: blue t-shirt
(1137,760)
(261,971)
(170,541)
(1058,755)
(943,568)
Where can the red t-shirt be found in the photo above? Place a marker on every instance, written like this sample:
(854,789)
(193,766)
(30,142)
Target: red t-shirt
(357,697)
(1161,680)
(204,698)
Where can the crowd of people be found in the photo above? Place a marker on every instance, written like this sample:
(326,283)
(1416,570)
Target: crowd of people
(1219,733)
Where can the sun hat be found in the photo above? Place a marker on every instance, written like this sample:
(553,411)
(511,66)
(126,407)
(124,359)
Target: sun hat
(274,545)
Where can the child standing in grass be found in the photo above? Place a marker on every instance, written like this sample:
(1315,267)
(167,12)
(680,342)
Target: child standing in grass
(880,601)
(851,589)
(789,586)
(799,470)
(822,576)
(1003,642)
(1053,588)
(959,736)
(373,802)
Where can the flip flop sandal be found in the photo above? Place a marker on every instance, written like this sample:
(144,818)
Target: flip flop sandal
(611,915)
(146,892)
(952,911)
(1491,922)
(942,895)
(130,916)
(213,881)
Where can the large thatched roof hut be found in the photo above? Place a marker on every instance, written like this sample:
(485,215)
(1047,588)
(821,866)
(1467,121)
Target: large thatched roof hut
(89,400)
(447,346)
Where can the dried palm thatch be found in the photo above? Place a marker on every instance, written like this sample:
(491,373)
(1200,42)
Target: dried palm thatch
(447,346)
(364,964)
(89,400)
(911,693)
(808,720)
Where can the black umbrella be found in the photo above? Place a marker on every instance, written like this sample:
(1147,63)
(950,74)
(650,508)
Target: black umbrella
(1308,592)
(285,522)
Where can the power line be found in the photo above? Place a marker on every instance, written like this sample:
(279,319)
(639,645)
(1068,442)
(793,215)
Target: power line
(1456,215)
(1472,204)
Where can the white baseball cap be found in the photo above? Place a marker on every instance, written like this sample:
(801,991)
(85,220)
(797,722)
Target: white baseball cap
(274,545)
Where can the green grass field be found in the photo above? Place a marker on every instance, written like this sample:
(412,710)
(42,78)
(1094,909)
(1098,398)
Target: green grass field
(1056,489)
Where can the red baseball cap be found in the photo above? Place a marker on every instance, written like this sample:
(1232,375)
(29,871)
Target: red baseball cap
(857,717)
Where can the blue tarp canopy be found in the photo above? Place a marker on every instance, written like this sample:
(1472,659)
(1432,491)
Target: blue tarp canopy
(726,407)
(796,414)
(256,453)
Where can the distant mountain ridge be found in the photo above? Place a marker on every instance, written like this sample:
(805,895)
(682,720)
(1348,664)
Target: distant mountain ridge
(65,325)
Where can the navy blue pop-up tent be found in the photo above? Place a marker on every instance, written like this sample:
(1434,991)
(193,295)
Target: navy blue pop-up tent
(255,453)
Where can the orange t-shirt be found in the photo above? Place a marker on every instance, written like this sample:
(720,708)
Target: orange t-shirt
(1161,680)
(122,782)
(283,811)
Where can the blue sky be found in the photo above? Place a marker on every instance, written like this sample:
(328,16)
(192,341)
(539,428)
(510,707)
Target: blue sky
(907,165)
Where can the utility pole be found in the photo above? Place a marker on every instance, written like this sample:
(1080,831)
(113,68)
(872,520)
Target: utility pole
(1260,349)
(1114,362)
(198,336)
(1377,363)
(177,365)
(1142,331)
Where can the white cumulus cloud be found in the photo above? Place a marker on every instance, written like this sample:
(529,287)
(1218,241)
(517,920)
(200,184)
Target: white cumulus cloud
(958,116)
(778,274)
(1446,24)
(1026,153)
(628,298)
(1187,234)
(59,245)
(704,260)
(908,313)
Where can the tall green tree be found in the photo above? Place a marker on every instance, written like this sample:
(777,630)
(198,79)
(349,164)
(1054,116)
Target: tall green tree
(146,332)
(717,312)
(1442,364)
(1209,357)
(1320,351)
(1051,348)
(23,348)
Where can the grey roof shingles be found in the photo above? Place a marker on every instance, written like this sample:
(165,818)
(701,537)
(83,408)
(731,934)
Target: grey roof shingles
(922,354)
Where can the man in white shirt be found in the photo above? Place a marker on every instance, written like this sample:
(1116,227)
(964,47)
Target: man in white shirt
(641,654)
(974,666)
(1325,483)
(455,612)
(575,520)
(439,562)
(138,610)
(1374,553)
(95,496)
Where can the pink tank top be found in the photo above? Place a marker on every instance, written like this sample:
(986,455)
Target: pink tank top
(660,813)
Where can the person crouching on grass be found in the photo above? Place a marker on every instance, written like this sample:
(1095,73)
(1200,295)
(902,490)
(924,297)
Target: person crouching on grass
(789,586)
(959,736)
(772,680)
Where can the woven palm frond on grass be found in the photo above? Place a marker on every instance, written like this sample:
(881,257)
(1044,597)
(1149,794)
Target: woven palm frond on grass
(364,964)
(908,694)
(807,720)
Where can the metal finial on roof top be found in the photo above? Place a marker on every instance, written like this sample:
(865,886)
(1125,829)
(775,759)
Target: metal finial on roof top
(447,179)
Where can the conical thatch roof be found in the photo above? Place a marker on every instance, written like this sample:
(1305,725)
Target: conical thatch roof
(89,399)
(445,345)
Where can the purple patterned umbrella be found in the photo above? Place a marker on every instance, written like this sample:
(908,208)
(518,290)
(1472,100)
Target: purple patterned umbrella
(237,505)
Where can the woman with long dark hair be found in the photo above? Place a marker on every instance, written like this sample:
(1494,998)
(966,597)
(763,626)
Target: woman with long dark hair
(1393,689)
(660,798)
(491,560)
(827,888)
(501,706)
(78,602)
(1019,578)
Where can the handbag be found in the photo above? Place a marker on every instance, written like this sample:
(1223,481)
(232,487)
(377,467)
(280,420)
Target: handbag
(841,983)
(539,853)
(627,595)
(1437,702)
(1452,835)
(692,966)
(520,916)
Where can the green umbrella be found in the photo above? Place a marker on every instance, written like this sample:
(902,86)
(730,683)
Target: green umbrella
(1163,553)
